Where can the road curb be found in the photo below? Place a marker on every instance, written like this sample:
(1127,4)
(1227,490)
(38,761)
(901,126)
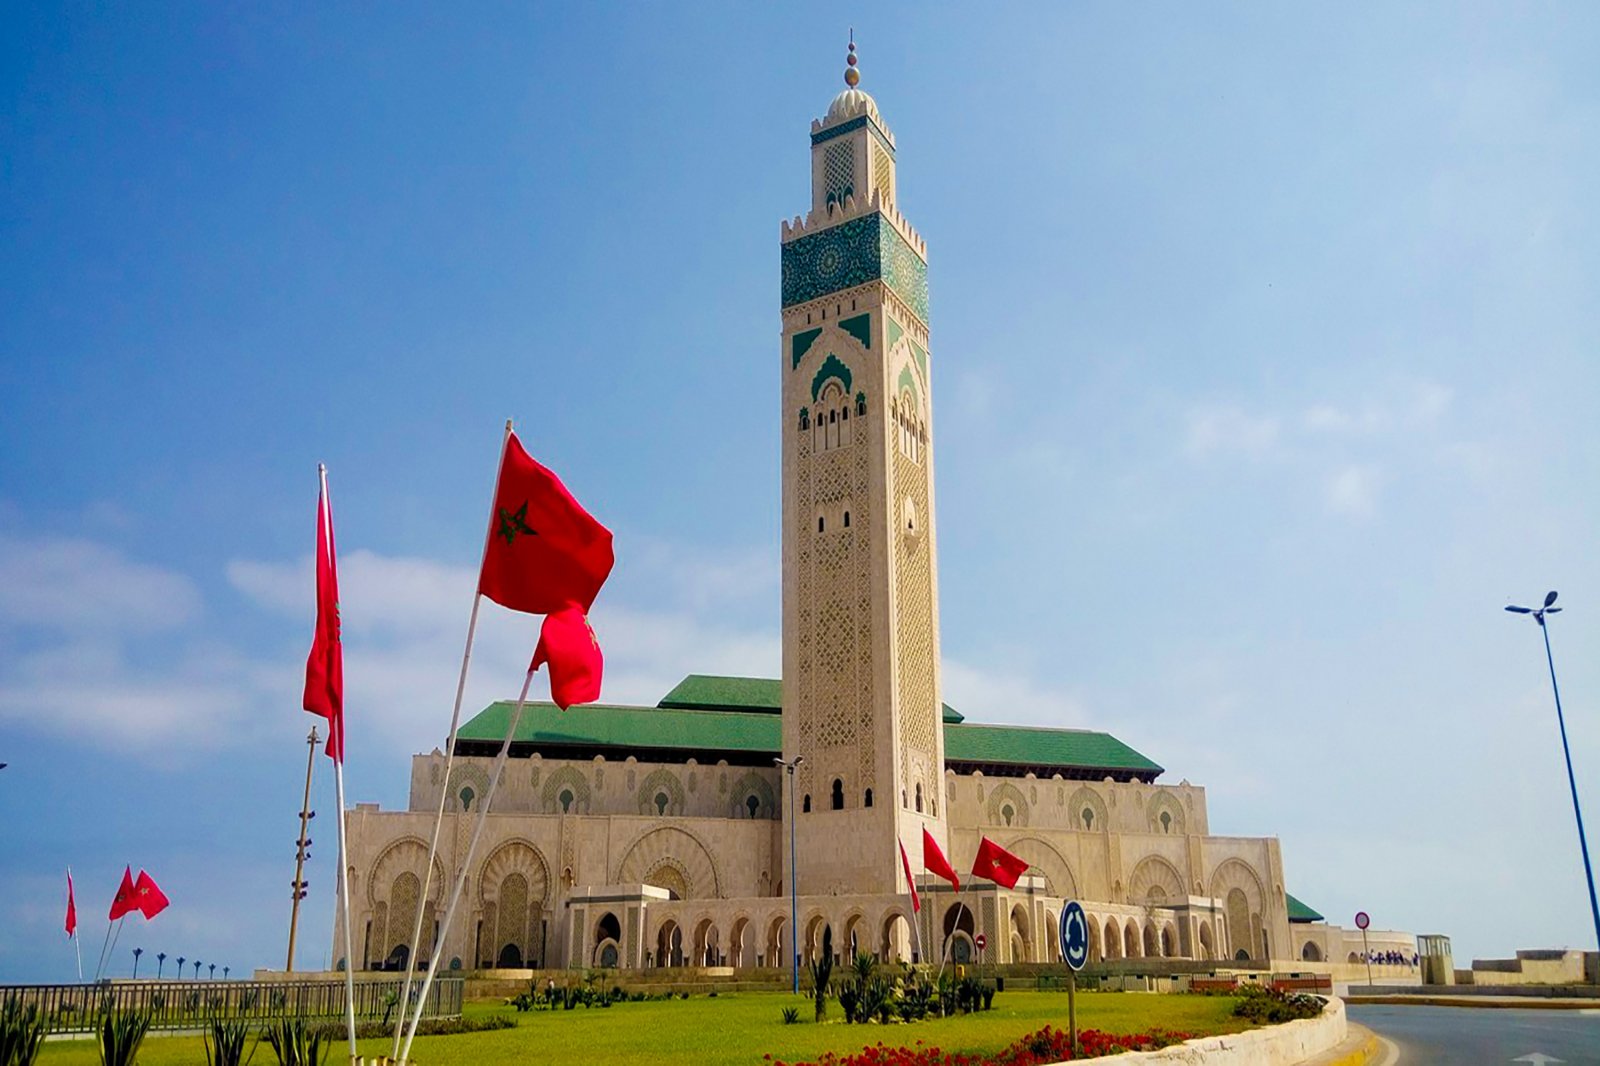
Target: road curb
(1362,1047)
(1480,1002)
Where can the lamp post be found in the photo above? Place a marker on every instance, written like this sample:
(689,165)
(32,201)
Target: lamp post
(161,960)
(794,903)
(136,953)
(1572,783)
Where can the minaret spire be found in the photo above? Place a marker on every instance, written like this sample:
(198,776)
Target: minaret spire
(852,76)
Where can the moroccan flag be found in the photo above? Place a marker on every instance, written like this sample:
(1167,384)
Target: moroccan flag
(934,862)
(124,901)
(568,645)
(916,904)
(996,864)
(72,909)
(151,900)
(325,665)
(545,552)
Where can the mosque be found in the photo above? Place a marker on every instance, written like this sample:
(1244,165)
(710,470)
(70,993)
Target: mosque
(672,835)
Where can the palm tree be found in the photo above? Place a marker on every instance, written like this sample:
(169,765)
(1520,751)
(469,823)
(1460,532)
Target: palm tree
(224,973)
(180,967)
(197,969)
(136,953)
(161,961)
(213,971)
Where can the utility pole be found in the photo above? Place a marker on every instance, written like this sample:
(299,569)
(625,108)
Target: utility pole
(306,814)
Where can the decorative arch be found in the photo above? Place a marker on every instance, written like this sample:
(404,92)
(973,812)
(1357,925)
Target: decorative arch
(895,928)
(657,785)
(1021,935)
(1007,806)
(405,854)
(466,776)
(566,779)
(394,891)
(1085,799)
(671,848)
(514,895)
(753,786)
(1309,952)
(1155,881)
(1113,940)
(1243,897)
(1043,859)
(1166,815)
(832,367)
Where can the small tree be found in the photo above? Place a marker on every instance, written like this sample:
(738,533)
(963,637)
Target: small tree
(821,974)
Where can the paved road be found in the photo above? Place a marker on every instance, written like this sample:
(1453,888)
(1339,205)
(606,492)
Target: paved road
(1427,1036)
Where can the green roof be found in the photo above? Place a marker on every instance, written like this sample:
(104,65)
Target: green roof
(1034,746)
(713,692)
(609,725)
(707,692)
(1299,912)
(735,718)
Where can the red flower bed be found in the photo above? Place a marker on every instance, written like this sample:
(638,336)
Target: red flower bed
(1045,1046)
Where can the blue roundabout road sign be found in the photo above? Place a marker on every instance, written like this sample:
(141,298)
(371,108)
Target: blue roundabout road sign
(1074,935)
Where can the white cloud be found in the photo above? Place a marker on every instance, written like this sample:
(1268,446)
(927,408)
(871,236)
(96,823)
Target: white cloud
(1353,490)
(1230,430)
(75,584)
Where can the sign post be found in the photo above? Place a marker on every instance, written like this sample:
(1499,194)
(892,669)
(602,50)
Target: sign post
(1075,952)
(980,942)
(1362,921)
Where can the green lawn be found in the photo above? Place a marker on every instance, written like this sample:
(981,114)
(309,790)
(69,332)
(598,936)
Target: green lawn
(731,1030)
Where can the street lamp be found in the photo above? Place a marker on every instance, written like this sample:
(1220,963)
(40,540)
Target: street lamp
(161,960)
(136,953)
(794,905)
(1566,751)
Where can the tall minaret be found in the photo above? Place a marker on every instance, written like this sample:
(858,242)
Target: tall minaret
(860,590)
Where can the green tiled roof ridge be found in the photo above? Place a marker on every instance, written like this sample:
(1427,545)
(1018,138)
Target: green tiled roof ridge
(760,732)
(725,692)
(1299,912)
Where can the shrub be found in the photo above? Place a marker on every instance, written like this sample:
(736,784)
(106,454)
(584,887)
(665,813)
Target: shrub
(21,1033)
(121,1033)
(224,1043)
(297,1042)
(1269,1006)
(791,1015)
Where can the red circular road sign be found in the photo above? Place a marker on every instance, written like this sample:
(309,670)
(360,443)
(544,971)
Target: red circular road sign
(981,940)
(1362,921)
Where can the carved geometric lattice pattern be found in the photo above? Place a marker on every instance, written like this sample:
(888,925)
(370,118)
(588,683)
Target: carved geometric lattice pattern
(918,643)
(839,170)
(834,612)
(882,174)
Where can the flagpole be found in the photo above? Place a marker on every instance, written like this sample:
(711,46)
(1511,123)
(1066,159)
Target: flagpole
(449,762)
(77,942)
(105,957)
(344,893)
(466,865)
(344,855)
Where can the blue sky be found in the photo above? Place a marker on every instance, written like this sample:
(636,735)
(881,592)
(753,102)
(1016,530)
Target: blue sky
(1265,376)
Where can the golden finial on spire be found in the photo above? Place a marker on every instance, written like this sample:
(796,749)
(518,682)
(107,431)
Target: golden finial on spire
(852,76)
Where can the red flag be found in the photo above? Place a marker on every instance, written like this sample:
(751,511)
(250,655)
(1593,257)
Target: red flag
(545,552)
(934,862)
(151,900)
(324,693)
(124,901)
(996,864)
(567,643)
(916,904)
(72,909)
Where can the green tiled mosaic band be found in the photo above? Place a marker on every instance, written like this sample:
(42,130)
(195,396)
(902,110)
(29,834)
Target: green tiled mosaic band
(853,253)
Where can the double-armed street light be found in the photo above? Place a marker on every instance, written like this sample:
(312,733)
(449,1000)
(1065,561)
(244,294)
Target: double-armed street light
(794,906)
(1539,614)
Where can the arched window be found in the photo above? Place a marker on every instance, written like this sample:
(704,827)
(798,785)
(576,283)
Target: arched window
(919,798)
(566,800)
(1088,818)
(867,800)
(1008,813)
(821,523)
(861,405)
(805,419)
(805,804)
(466,797)
(1166,821)
(838,794)
(752,804)
(847,520)
(661,803)
(903,804)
